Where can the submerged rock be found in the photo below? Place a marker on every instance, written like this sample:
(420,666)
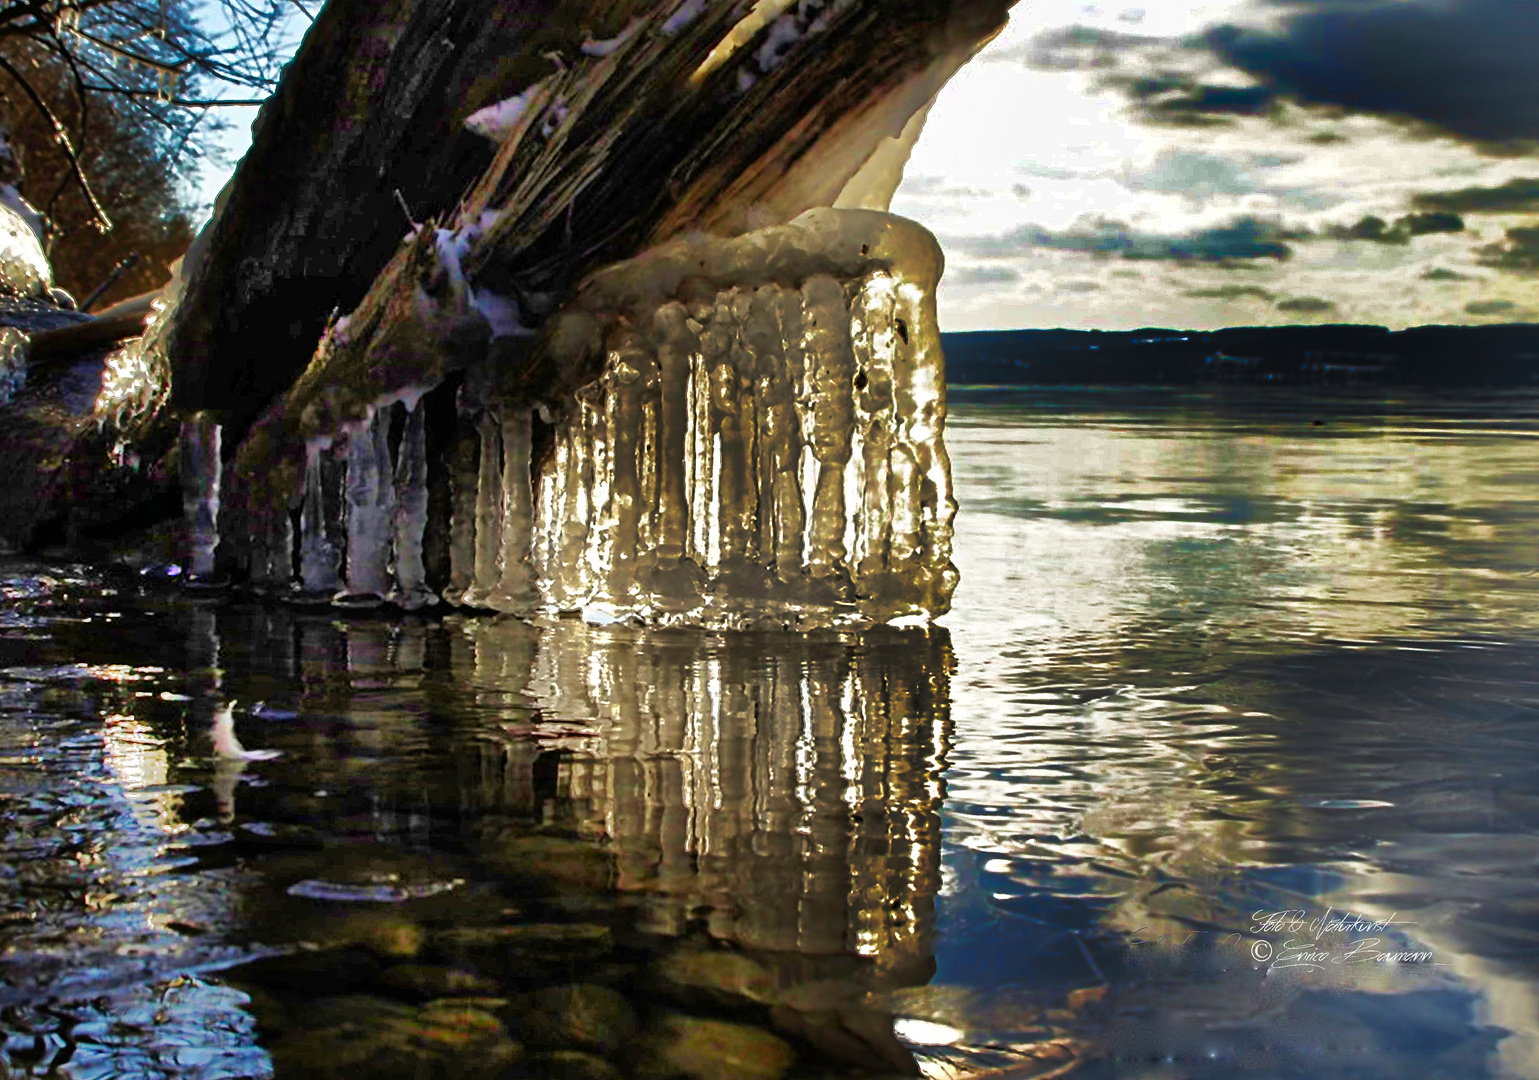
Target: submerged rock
(701,1049)
(363,1036)
(571,1065)
(581,1016)
(724,978)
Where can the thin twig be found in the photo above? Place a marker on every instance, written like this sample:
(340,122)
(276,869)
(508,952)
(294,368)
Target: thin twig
(104,223)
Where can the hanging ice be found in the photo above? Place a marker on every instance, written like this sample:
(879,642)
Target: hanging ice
(755,439)
(764,441)
(200,468)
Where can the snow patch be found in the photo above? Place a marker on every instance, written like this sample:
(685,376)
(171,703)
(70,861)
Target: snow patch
(609,45)
(783,34)
(495,121)
(501,312)
(683,15)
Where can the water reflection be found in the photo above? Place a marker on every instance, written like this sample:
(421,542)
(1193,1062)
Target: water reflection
(772,798)
(1265,665)
(1207,661)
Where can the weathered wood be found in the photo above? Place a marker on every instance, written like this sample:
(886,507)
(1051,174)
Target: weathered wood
(372,105)
(651,140)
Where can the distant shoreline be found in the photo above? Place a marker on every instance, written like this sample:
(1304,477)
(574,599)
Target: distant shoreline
(1298,356)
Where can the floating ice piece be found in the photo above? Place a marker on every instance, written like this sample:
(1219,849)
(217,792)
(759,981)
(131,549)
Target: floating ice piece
(226,745)
(387,893)
(609,45)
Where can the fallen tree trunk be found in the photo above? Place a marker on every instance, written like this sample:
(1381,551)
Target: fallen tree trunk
(689,121)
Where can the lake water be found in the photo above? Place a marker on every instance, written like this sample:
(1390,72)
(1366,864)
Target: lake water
(1225,764)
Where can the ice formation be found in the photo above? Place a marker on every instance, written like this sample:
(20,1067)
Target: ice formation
(13,362)
(200,473)
(753,438)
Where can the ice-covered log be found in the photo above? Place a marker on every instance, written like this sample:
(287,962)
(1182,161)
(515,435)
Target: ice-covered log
(760,443)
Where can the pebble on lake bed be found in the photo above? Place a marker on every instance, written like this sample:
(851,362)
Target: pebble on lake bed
(361,1036)
(703,1049)
(582,1016)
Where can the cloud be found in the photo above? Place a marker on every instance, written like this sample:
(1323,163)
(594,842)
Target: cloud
(1519,252)
(1517,195)
(1241,238)
(1437,273)
(1232,292)
(1181,100)
(1192,173)
(1078,48)
(1376,230)
(1304,304)
(1490,307)
(982,275)
(1436,222)
(1079,286)
(1464,69)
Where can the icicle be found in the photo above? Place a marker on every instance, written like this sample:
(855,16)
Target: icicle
(488,511)
(829,420)
(370,506)
(318,555)
(464,483)
(411,511)
(515,590)
(874,339)
(200,467)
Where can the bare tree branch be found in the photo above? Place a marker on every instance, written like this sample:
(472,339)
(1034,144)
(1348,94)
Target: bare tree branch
(104,223)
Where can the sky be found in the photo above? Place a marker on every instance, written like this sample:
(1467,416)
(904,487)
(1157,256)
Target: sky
(1194,164)
(1206,163)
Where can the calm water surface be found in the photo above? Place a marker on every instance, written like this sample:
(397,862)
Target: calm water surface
(1224,765)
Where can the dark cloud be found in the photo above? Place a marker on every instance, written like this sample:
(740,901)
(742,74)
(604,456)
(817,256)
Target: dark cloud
(1239,239)
(1231,292)
(1020,191)
(1376,230)
(1436,222)
(982,275)
(1515,196)
(1183,101)
(1304,304)
(1079,48)
(1465,69)
(1079,286)
(1489,307)
(1518,252)
(1437,273)
(1373,229)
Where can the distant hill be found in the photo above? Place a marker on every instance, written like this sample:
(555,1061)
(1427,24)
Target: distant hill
(1428,356)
